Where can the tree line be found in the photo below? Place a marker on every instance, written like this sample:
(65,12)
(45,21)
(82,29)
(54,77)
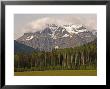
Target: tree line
(78,58)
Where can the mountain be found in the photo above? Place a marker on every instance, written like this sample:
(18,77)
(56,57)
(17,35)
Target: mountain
(21,48)
(57,36)
(93,42)
(94,32)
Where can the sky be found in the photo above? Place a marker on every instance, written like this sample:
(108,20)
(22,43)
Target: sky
(24,23)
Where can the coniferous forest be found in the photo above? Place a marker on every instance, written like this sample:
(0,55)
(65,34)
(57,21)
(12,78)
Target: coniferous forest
(78,58)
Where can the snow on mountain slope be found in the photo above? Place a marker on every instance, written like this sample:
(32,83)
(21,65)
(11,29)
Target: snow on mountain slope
(29,37)
(66,35)
(57,31)
(66,30)
(75,28)
(57,36)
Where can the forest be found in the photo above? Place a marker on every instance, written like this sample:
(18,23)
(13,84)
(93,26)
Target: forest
(79,58)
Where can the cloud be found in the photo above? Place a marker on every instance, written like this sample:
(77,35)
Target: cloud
(39,24)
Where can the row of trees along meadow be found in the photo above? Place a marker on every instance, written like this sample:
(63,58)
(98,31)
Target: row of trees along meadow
(79,58)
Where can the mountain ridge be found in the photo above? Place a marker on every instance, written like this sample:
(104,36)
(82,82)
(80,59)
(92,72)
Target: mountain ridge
(54,36)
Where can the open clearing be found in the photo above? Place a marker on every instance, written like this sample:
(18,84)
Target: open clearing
(58,73)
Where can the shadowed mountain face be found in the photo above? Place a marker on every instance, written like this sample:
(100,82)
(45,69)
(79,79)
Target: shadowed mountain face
(54,37)
(18,47)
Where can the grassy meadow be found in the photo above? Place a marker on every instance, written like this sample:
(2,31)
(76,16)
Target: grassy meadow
(58,73)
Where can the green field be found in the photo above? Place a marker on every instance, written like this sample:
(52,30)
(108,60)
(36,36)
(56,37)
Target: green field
(58,73)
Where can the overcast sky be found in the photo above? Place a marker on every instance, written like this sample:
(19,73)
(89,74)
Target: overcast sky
(24,23)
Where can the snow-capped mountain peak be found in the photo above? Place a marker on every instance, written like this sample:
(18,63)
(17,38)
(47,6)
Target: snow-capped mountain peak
(58,36)
(75,29)
(71,28)
(53,27)
(57,31)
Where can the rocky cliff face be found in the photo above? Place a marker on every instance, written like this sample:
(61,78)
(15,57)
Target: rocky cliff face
(55,36)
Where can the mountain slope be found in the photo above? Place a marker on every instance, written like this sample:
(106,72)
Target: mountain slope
(21,48)
(56,36)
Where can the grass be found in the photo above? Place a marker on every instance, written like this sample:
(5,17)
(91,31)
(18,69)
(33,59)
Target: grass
(58,73)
